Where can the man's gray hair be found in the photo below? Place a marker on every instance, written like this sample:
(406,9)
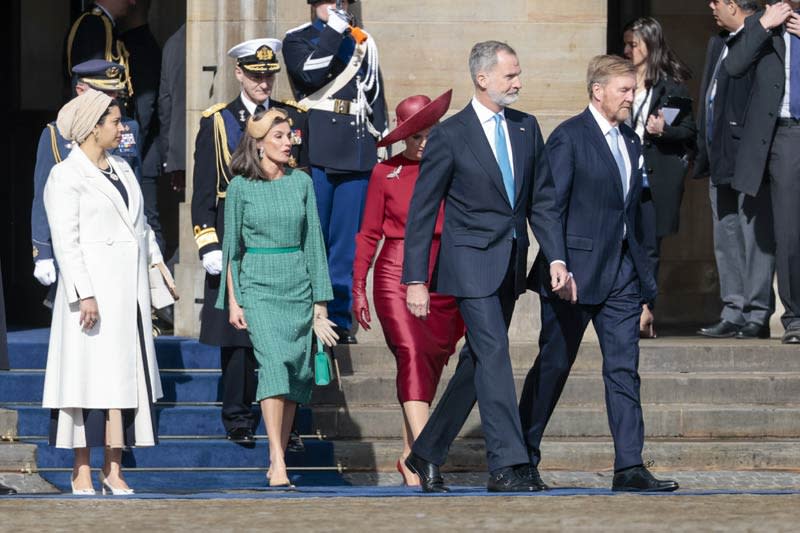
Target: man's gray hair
(483,57)
(751,6)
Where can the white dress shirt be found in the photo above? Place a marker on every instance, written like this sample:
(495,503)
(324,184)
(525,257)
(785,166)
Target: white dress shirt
(787,65)
(486,118)
(606,127)
(250,105)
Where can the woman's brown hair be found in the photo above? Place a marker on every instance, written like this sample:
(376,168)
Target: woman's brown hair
(245,160)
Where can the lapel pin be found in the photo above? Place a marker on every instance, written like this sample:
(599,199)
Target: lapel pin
(522,129)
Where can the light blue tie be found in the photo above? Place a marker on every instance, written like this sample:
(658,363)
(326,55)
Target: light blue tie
(614,133)
(502,157)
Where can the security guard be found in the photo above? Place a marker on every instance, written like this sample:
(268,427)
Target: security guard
(53,148)
(93,36)
(220,132)
(333,68)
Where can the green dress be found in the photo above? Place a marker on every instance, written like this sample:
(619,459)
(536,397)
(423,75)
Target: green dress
(273,244)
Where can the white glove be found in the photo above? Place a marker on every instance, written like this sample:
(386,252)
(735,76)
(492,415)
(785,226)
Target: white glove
(337,20)
(44,271)
(212,262)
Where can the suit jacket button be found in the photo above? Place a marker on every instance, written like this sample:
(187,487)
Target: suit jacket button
(333,121)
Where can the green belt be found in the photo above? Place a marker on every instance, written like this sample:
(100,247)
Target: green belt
(284,250)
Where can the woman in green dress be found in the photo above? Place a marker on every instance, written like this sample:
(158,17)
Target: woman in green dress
(277,275)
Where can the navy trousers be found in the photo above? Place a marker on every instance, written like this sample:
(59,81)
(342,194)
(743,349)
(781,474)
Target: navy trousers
(484,374)
(340,202)
(238,387)
(616,322)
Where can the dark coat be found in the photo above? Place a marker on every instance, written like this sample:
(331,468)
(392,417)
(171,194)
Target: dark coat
(589,196)
(458,166)
(765,53)
(730,106)
(666,157)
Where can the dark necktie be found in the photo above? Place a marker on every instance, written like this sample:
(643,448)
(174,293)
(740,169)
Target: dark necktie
(794,76)
(260,108)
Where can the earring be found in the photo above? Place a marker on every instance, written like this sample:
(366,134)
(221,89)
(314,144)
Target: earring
(260,153)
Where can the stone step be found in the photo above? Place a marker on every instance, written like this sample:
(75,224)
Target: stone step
(8,423)
(586,387)
(661,420)
(468,455)
(668,354)
(17,457)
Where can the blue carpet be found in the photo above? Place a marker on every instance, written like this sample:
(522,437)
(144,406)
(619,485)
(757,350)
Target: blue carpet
(261,492)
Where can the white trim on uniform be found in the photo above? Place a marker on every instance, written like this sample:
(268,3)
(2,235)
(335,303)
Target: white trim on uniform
(317,63)
(300,27)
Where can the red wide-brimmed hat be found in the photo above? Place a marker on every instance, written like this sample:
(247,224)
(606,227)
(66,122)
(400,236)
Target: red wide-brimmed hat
(416,113)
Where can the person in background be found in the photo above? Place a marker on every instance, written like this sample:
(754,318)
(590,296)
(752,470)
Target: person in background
(334,72)
(421,347)
(660,77)
(53,148)
(101,379)
(276,274)
(172,108)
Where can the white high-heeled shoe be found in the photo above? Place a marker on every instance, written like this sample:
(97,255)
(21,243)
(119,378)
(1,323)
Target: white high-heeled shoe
(109,488)
(81,492)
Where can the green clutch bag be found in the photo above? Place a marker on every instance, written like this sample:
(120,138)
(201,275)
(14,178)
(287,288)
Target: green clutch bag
(322,366)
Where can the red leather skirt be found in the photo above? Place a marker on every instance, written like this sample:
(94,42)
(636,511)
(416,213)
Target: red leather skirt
(421,347)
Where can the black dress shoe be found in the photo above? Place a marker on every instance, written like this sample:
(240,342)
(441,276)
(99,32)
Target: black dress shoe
(721,330)
(430,478)
(345,337)
(639,479)
(242,436)
(791,336)
(512,480)
(751,330)
(534,478)
(295,443)
(6,491)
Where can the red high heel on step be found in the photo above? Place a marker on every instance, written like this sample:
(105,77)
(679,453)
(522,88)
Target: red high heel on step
(402,475)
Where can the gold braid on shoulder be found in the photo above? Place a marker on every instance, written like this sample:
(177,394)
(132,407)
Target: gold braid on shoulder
(258,126)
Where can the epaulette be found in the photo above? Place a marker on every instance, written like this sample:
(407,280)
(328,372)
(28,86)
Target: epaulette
(295,105)
(214,109)
(300,27)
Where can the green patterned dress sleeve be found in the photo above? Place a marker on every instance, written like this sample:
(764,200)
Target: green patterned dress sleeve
(231,242)
(314,249)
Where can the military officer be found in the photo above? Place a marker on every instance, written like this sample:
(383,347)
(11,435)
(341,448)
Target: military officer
(221,129)
(333,68)
(94,36)
(53,148)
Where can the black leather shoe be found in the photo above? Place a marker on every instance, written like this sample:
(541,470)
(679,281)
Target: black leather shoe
(721,330)
(6,491)
(639,479)
(791,336)
(295,443)
(512,480)
(751,330)
(534,478)
(429,476)
(242,436)
(345,337)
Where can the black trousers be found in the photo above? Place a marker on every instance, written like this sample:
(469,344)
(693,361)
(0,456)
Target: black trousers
(483,374)
(616,322)
(238,386)
(784,176)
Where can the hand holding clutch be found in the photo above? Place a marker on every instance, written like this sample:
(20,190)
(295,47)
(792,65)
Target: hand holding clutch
(360,303)
(163,292)
(323,328)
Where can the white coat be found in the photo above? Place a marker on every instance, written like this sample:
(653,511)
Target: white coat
(103,249)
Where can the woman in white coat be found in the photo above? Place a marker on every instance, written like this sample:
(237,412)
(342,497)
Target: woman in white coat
(102,376)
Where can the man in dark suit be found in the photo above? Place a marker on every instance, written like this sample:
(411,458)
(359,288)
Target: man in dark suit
(770,44)
(596,163)
(220,132)
(742,224)
(487,163)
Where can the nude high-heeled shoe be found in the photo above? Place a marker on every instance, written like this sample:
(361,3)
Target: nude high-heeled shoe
(108,487)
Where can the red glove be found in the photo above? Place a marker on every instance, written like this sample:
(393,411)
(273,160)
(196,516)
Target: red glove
(360,303)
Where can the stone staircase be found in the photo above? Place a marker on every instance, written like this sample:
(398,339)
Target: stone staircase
(708,404)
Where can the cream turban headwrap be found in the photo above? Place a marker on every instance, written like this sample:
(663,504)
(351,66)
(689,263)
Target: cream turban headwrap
(79,116)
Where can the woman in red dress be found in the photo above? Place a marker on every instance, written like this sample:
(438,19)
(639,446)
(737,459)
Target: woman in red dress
(421,347)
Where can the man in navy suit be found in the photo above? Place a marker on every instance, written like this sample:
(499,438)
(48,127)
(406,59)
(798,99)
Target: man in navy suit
(595,159)
(487,163)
